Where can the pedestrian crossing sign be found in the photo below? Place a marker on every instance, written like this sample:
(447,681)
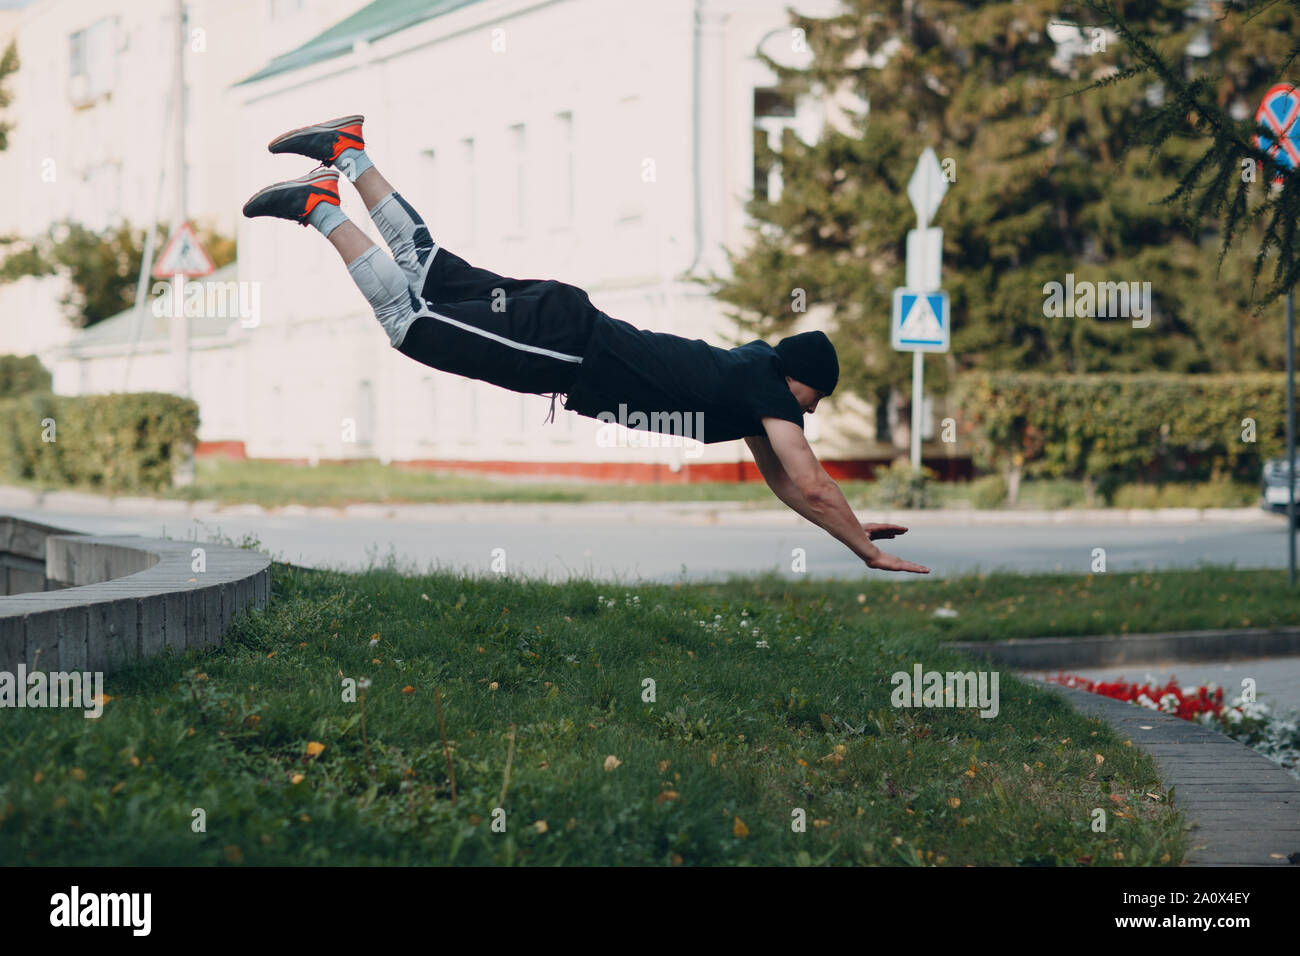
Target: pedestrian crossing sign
(920,321)
(184,255)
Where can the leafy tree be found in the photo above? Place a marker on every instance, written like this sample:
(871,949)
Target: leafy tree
(1044,186)
(8,67)
(21,374)
(102,268)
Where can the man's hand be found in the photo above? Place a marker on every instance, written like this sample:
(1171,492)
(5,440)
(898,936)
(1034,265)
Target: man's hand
(877,531)
(793,472)
(883,561)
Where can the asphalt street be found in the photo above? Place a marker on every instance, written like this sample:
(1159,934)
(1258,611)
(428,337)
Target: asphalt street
(614,544)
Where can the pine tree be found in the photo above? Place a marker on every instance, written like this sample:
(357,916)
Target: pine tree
(1043,187)
(1228,180)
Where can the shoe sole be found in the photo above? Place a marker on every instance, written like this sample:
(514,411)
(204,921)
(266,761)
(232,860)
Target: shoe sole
(291,184)
(331,126)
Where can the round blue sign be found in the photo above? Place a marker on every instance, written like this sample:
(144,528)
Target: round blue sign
(1278,112)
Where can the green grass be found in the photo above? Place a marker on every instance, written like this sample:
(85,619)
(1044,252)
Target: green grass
(738,737)
(272,485)
(1002,606)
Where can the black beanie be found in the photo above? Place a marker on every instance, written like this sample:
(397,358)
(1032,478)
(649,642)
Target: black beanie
(810,358)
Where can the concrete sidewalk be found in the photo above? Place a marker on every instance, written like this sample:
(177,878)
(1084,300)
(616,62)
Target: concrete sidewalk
(1132,651)
(1244,810)
(605,512)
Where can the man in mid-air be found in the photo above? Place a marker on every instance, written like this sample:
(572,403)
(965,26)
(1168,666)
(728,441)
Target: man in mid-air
(540,336)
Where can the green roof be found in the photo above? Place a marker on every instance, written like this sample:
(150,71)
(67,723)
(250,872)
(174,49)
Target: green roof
(379,19)
(116,330)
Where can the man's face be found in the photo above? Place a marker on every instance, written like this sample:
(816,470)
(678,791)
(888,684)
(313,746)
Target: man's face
(805,395)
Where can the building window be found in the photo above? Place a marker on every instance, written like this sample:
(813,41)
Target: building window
(92,61)
(77,54)
(634,166)
(283,8)
(774,112)
(469,224)
(886,415)
(564,186)
(519,147)
(433,177)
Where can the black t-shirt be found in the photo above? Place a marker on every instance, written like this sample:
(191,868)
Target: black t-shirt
(677,383)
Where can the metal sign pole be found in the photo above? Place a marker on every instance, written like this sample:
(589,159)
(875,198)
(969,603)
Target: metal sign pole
(918,357)
(918,324)
(918,390)
(1278,112)
(1290,433)
(181,318)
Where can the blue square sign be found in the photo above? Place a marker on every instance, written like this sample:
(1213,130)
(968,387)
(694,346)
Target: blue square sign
(920,321)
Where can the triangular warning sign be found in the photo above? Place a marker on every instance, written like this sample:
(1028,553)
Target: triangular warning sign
(920,324)
(184,255)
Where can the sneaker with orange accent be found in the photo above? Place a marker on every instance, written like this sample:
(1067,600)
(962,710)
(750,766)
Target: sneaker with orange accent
(295,198)
(323,142)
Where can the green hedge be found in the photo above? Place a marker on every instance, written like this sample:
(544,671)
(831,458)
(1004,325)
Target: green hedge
(20,374)
(116,442)
(1108,429)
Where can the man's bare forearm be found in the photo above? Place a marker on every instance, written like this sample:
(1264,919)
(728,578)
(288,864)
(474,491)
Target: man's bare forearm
(788,492)
(831,512)
(781,483)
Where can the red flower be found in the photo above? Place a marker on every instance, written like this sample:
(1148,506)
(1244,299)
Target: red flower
(1189,702)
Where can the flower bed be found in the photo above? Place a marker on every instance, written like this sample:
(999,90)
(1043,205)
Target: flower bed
(1276,736)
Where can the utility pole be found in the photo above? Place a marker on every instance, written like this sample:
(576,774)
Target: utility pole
(1277,112)
(1290,434)
(180,329)
(184,469)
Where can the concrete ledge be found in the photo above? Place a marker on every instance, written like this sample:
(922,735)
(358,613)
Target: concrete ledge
(1113,650)
(130,598)
(1244,810)
(74,560)
(22,555)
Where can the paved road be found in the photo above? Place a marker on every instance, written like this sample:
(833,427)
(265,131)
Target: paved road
(614,543)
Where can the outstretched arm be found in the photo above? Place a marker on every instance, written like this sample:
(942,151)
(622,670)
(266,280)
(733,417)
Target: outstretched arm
(769,466)
(794,474)
(774,474)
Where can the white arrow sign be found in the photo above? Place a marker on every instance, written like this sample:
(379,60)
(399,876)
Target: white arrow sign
(924,258)
(926,187)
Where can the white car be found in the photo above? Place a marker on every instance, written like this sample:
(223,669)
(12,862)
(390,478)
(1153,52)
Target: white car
(1273,486)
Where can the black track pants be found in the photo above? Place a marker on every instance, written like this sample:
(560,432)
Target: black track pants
(527,335)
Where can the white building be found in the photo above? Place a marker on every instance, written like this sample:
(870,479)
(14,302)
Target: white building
(606,143)
(92,131)
(576,139)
